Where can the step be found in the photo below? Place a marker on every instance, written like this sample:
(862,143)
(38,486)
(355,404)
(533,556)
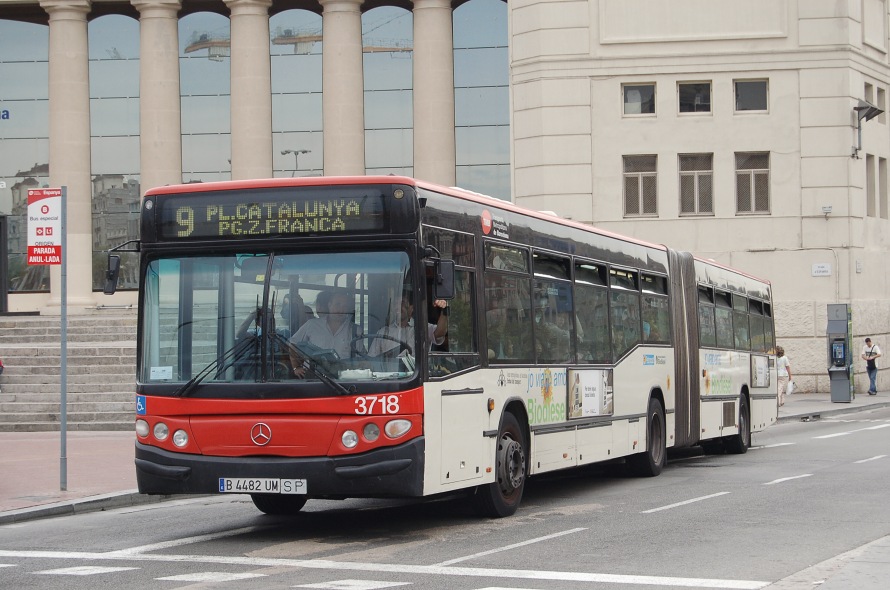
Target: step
(100,372)
(93,426)
(73,398)
(27,407)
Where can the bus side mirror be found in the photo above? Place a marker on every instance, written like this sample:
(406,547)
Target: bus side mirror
(114,269)
(443,287)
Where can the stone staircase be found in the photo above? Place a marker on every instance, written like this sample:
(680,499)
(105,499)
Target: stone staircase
(101,371)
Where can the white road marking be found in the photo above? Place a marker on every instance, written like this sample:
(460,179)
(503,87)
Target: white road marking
(878,427)
(211,577)
(769,483)
(509,574)
(773,446)
(354,585)
(7,565)
(187,541)
(85,570)
(875,458)
(684,503)
(508,547)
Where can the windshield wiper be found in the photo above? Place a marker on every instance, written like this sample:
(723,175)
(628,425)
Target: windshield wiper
(222,362)
(312,365)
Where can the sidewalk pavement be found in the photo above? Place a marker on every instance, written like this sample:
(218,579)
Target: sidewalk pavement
(100,474)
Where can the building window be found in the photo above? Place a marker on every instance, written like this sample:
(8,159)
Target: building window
(751,95)
(882,104)
(870,208)
(696,184)
(640,185)
(639,99)
(752,182)
(695,97)
(882,186)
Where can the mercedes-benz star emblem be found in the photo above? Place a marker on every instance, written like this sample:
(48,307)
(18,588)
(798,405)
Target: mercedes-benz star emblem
(260,434)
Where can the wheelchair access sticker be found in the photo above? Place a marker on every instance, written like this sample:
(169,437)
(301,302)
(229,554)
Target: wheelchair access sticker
(140,405)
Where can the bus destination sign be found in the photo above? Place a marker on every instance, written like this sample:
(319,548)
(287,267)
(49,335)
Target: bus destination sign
(269,213)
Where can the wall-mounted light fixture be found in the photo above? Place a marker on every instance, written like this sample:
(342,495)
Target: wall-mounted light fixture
(865,111)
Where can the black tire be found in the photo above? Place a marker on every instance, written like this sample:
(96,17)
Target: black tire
(738,444)
(502,498)
(650,462)
(278,504)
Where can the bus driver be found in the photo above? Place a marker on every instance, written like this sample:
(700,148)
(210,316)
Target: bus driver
(334,330)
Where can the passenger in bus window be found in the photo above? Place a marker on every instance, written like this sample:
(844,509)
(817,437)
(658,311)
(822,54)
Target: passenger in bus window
(402,330)
(555,330)
(335,330)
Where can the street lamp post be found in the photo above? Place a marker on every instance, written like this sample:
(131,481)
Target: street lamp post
(296,154)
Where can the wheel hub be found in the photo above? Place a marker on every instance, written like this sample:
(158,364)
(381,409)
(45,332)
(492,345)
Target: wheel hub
(511,462)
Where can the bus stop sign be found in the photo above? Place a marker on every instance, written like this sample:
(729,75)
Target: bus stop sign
(45,226)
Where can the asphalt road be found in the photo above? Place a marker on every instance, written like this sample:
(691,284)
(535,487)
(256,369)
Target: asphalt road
(805,493)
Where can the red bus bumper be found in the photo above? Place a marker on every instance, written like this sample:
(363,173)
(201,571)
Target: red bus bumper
(385,472)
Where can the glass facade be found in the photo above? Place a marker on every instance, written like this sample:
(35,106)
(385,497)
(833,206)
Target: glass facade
(296,47)
(205,84)
(24,140)
(388,59)
(481,97)
(114,143)
(297,142)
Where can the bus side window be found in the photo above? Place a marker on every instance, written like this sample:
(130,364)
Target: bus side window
(625,307)
(723,317)
(553,322)
(459,351)
(508,317)
(592,312)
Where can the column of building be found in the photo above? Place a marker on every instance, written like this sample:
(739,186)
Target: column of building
(160,134)
(69,146)
(251,89)
(343,88)
(434,148)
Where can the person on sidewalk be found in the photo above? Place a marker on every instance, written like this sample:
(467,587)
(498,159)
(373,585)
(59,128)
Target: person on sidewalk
(783,368)
(871,352)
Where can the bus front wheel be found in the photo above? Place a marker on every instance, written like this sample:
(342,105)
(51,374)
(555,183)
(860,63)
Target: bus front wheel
(650,462)
(501,498)
(277,504)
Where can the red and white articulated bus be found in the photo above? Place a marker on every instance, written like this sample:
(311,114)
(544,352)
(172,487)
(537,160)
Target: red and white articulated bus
(277,354)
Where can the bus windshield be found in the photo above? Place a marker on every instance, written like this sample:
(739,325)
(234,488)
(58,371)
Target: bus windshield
(266,317)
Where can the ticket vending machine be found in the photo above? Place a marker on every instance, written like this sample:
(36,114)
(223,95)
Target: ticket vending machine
(840,359)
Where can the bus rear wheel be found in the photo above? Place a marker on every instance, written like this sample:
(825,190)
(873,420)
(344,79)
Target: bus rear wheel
(650,462)
(738,443)
(277,504)
(501,498)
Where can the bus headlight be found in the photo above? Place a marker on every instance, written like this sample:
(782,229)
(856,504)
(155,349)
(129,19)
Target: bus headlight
(141,428)
(161,431)
(371,432)
(350,439)
(397,428)
(180,438)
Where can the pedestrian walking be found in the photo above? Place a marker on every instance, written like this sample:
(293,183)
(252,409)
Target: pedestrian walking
(871,352)
(783,368)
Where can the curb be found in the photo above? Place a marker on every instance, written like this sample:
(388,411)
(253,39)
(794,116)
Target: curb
(816,415)
(81,506)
